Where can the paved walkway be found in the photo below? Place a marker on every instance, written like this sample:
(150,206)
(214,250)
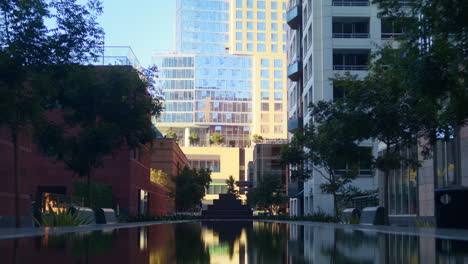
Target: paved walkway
(8,233)
(452,234)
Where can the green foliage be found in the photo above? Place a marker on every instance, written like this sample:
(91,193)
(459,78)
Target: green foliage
(231,189)
(61,218)
(32,54)
(267,195)
(217,138)
(423,224)
(102,194)
(190,186)
(172,134)
(353,219)
(194,138)
(257,139)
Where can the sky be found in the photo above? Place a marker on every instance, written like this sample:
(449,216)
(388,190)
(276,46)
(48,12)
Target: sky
(144,25)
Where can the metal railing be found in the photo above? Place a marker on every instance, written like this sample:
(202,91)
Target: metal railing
(391,35)
(349,67)
(350,35)
(350,3)
(365,201)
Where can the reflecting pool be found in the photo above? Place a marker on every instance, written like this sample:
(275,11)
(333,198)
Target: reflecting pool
(232,242)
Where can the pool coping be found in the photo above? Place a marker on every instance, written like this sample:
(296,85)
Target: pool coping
(11,233)
(451,234)
(440,233)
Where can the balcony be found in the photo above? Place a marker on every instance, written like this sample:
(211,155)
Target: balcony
(350,59)
(294,16)
(350,2)
(294,123)
(295,70)
(350,27)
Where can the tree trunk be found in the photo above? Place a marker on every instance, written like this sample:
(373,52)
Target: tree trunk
(14,137)
(335,204)
(385,191)
(88,203)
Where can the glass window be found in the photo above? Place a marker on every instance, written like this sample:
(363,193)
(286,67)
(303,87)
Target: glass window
(278,129)
(261,15)
(278,85)
(284,6)
(285,38)
(250,25)
(249,47)
(274,37)
(278,107)
(264,73)
(261,47)
(278,118)
(264,62)
(265,107)
(239,46)
(239,3)
(278,96)
(265,95)
(261,4)
(278,74)
(249,3)
(264,84)
(274,26)
(250,36)
(238,25)
(264,129)
(217,128)
(265,117)
(278,63)
(274,48)
(261,26)
(238,35)
(261,36)
(238,14)
(274,5)
(249,15)
(274,16)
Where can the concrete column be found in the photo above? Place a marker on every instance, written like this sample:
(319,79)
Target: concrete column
(186,137)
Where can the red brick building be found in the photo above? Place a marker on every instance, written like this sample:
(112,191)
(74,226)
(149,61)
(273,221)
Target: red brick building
(125,171)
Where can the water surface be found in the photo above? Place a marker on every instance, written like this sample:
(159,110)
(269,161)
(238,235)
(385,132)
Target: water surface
(227,242)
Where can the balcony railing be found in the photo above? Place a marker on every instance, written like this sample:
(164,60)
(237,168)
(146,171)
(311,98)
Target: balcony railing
(350,3)
(391,35)
(294,16)
(350,35)
(349,67)
(295,70)
(294,123)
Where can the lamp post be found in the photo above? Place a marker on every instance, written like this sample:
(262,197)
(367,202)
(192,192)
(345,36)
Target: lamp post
(102,43)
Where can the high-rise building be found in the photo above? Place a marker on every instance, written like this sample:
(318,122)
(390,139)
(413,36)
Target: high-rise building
(326,38)
(227,76)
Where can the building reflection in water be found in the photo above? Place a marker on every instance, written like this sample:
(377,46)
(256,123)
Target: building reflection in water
(242,242)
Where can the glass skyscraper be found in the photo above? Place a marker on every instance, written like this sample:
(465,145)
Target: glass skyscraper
(227,75)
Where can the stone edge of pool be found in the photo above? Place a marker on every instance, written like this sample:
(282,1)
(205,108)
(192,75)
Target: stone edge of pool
(451,234)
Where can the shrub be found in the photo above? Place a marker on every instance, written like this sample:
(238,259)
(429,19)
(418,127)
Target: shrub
(62,218)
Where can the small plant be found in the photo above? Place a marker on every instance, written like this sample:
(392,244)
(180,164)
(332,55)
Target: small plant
(194,138)
(150,218)
(231,187)
(62,217)
(257,139)
(423,224)
(353,219)
(217,138)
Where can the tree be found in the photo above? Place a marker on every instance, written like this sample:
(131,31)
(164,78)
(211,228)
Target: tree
(160,177)
(194,138)
(433,60)
(231,189)
(257,139)
(267,195)
(190,186)
(102,111)
(217,138)
(30,50)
